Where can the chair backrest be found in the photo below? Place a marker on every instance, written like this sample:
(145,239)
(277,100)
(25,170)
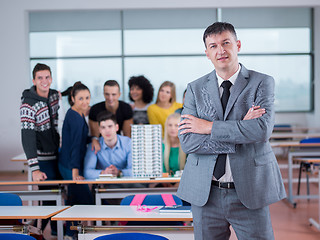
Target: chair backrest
(15,236)
(131,236)
(282,128)
(310,140)
(151,200)
(10,199)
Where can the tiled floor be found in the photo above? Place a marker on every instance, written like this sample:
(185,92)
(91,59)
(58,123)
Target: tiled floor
(288,223)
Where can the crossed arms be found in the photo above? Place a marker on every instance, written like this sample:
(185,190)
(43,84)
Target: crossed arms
(215,137)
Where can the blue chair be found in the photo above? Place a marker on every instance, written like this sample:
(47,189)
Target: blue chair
(151,200)
(306,166)
(9,199)
(282,128)
(15,236)
(310,140)
(131,236)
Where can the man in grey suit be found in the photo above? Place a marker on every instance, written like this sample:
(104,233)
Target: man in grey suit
(231,174)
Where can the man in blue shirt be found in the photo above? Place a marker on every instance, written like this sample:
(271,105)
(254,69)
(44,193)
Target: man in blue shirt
(115,155)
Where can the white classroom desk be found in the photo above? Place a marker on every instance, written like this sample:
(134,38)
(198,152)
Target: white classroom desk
(118,193)
(283,143)
(131,180)
(317,161)
(20,157)
(56,194)
(112,193)
(23,158)
(38,195)
(49,182)
(32,212)
(126,213)
(293,135)
(299,150)
(296,129)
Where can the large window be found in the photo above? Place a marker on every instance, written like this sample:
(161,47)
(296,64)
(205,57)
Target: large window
(285,54)
(94,46)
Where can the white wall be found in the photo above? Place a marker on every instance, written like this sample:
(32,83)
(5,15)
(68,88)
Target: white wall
(14,57)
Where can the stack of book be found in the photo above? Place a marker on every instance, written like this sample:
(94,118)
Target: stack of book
(146,150)
(105,176)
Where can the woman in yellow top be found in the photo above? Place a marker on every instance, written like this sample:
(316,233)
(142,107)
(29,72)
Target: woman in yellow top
(164,106)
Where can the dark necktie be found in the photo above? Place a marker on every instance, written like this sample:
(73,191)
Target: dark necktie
(220,167)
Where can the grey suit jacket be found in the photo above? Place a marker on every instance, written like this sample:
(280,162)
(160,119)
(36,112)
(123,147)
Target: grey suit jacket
(253,164)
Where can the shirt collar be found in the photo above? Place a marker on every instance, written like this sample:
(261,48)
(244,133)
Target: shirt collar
(105,146)
(232,79)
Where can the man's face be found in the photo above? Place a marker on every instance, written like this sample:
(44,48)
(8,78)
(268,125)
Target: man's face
(222,50)
(108,130)
(42,82)
(111,95)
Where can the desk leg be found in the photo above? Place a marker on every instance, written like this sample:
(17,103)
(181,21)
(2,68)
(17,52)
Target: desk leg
(311,220)
(29,186)
(98,202)
(60,229)
(290,197)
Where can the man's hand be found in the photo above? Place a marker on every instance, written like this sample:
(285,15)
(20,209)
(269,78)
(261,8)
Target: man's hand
(191,124)
(75,174)
(111,170)
(37,175)
(78,177)
(254,112)
(95,146)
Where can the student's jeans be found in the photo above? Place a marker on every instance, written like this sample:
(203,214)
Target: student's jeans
(78,194)
(50,168)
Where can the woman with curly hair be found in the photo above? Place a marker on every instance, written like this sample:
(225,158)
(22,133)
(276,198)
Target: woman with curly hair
(141,94)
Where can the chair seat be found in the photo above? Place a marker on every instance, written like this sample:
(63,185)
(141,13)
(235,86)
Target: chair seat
(131,236)
(15,236)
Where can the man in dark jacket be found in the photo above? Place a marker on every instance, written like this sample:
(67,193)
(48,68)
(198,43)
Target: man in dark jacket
(39,124)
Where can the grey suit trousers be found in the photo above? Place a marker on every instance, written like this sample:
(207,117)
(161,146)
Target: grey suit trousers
(213,220)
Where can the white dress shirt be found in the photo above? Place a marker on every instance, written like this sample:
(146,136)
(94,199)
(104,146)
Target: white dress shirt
(227,177)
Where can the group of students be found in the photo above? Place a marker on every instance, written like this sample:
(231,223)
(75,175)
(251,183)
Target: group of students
(106,151)
(231,176)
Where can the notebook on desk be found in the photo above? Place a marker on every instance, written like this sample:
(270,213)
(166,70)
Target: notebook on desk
(175,209)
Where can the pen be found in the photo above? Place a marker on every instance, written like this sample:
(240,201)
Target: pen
(173,206)
(252,107)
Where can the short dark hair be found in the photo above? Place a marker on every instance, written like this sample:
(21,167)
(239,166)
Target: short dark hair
(40,67)
(218,28)
(105,115)
(112,83)
(143,83)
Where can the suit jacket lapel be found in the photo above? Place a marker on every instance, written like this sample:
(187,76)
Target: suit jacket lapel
(238,87)
(212,89)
